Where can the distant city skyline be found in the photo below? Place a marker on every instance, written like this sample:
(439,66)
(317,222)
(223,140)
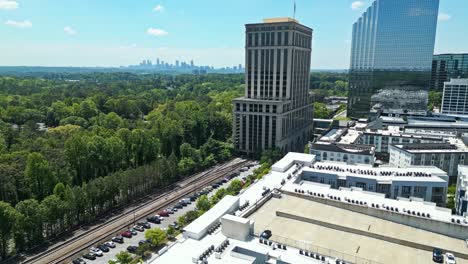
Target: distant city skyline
(120,33)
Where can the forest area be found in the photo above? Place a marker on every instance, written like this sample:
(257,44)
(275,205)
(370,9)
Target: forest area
(111,138)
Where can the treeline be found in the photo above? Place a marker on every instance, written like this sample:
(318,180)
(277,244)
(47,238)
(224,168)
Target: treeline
(111,138)
(328,84)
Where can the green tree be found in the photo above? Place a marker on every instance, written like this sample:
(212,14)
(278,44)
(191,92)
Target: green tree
(29,231)
(156,236)
(203,203)
(38,175)
(8,218)
(123,257)
(321,111)
(234,187)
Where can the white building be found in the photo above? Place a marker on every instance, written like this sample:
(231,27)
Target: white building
(348,153)
(461,196)
(446,155)
(428,183)
(455,97)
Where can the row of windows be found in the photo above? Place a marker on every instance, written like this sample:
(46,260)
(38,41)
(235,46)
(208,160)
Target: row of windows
(256,108)
(278,39)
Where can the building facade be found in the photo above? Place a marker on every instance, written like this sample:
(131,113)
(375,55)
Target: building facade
(276,110)
(391,57)
(348,153)
(446,156)
(455,97)
(428,183)
(446,67)
(461,195)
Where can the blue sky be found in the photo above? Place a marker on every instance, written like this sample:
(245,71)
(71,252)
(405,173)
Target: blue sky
(123,32)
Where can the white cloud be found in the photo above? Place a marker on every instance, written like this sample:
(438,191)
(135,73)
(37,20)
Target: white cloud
(356,5)
(444,17)
(158,8)
(8,4)
(156,32)
(69,30)
(19,24)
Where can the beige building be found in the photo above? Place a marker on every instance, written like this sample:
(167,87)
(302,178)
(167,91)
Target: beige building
(276,110)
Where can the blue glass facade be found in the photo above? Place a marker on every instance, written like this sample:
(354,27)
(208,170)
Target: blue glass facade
(391,57)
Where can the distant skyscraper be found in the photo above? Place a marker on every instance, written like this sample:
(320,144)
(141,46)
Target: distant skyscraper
(157,61)
(446,66)
(191,63)
(177,63)
(391,57)
(240,66)
(276,111)
(455,97)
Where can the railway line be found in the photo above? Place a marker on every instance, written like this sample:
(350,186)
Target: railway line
(62,253)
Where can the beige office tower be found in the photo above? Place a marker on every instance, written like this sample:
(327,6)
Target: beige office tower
(276,110)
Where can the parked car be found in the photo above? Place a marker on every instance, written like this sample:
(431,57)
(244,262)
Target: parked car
(170,210)
(266,234)
(132,249)
(138,228)
(144,224)
(450,258)
(78,261)
(154,219)
(437,255)
(175,225)
(96,251)
(110,244)
(179,206)
(133,231)
(103,248)
(118,239)
(127,234)
(215,185)
(164,213)
(174,209)
(141,242)
(186,201)
(183,203)
(89,256)
(193,198)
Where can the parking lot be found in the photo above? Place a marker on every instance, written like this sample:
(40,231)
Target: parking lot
(163,225)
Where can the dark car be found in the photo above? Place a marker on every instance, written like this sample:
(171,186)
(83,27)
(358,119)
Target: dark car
(132,249)
(266,234)
(141,242)
(193,198)
(127,234)
(154,219)
(103,248)
(118,239)
(145,224)
(133,231)
(437,255)
(89,256)
(78,261)
(179,206)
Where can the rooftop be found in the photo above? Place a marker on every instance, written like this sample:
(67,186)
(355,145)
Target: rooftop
(279,20)
(290,158)
(452,145)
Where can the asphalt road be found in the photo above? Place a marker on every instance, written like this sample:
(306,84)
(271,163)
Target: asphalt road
(164,225)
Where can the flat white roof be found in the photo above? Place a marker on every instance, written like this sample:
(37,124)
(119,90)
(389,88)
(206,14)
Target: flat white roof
(212,215)
(290,158)
(236,218)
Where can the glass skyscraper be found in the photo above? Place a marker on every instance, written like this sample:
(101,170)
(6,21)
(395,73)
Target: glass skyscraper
(447,66)
(391,57)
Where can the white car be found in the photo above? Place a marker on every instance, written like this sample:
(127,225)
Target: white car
(449,258)
(110,244)
(96,251)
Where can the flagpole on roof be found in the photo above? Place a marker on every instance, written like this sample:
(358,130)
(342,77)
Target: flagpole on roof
(294,14)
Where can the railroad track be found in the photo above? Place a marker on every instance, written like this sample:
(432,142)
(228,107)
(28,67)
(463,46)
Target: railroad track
(64,252)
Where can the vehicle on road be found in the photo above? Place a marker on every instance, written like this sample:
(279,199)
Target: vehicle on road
(89,256)
(127,234)
(132,249)
(110,244)
(96,251)
(103,248)
(154,220)
(266,234)
(78,261)
(450,258)
(118,239)
(437,255)
(138,228)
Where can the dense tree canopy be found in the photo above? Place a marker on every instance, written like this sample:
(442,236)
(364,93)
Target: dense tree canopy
(110,138)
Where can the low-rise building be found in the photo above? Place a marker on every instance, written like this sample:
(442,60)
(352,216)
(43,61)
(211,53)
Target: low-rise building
(446,155)
(428,183)
(455,97)
(348,153)
(461,195)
